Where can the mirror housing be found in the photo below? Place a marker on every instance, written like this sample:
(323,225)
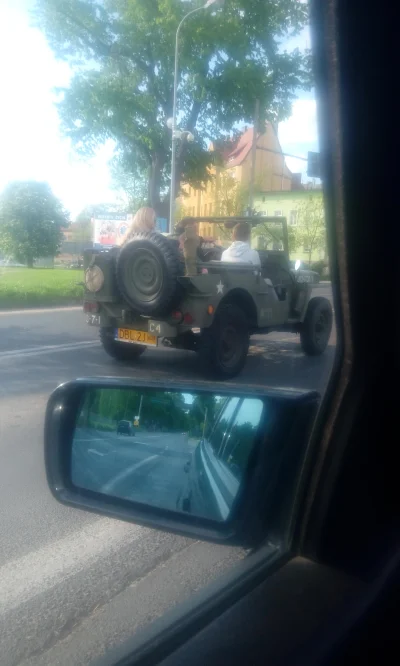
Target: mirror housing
(267,485)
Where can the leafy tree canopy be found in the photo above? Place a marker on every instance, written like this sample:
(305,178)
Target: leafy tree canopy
(122,54)
(31,221)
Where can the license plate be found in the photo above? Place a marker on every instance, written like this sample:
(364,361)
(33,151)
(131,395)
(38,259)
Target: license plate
(93,320)
(135,337)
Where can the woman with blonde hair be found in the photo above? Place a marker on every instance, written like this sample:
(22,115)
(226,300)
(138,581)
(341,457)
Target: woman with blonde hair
(144,220)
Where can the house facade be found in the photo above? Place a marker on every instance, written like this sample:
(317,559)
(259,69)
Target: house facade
(228,190)
(287,204)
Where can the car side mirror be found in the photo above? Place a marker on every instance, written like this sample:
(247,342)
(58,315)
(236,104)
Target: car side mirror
(219,465)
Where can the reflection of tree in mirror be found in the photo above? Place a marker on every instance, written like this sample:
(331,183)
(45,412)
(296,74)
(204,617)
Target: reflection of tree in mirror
(157,410)
(203,413)
(236,454)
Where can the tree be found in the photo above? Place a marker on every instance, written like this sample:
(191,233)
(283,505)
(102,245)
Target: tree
(122,54)
(310,231)
(271,235)
(31,221)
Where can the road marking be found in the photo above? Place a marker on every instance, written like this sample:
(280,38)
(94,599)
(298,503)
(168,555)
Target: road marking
(4,313)
(39,571)
(111,485)
(48,349)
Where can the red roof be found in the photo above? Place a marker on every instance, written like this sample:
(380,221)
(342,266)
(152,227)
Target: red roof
(242,149)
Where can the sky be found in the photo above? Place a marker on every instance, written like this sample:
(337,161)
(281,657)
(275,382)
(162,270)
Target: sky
(31,143)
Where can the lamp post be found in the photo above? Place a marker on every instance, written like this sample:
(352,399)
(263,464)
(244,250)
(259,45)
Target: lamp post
(178,135)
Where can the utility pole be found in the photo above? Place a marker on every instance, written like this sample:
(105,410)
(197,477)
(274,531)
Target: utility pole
(140,407)
(254,155)
(205,421)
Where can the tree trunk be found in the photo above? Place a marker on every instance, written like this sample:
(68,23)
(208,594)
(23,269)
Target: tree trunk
(156,167)
(29,262)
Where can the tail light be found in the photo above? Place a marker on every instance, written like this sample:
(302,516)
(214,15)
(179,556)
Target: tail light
(90,306)
(187,318)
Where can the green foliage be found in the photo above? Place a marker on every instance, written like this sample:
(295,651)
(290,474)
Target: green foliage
(231,197)
(310,231)
(165,411)
(122,54)
(31,221)
(22,287)
(271,235)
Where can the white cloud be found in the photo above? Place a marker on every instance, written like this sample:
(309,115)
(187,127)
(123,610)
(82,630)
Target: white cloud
(31,143)
(299,134)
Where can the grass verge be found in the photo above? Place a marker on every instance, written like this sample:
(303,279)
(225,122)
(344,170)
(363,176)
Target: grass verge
(39,287)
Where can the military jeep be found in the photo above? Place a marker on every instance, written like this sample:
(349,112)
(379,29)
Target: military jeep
(149,293)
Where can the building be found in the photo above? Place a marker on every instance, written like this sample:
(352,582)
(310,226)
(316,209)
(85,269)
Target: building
(228,191)
(287,204)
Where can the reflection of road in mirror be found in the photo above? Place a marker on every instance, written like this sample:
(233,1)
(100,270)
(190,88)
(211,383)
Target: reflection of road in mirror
(170,450)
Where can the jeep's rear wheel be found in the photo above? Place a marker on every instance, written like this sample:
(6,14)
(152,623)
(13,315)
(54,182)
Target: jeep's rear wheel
(147,271)
(224,345)
(121,351)
(317,326)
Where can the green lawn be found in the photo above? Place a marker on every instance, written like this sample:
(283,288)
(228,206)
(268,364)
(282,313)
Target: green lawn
(39,287)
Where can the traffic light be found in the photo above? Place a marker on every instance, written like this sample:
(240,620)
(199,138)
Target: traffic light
(313,165)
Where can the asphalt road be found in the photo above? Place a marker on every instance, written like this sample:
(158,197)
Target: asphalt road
(72,585)
(147,468)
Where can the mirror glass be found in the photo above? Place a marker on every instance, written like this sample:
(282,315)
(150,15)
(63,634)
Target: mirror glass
(297,265)
(184,452)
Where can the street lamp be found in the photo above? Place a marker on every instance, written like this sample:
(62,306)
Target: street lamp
(176,135)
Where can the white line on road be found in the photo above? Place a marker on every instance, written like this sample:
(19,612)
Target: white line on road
(43,569)
(4,313)
(48,349)
(111,485)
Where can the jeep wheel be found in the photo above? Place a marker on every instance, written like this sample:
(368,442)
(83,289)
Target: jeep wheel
(317,326)
(121,351)
(225,343)
(147,272)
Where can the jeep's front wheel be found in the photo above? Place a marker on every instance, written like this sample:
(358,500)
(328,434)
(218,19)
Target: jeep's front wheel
(317,326)
(224,345)
(120,351)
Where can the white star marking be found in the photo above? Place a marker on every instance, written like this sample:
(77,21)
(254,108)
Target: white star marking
(220,288)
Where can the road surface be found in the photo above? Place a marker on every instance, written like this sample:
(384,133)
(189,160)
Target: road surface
(148,468)
(72,585)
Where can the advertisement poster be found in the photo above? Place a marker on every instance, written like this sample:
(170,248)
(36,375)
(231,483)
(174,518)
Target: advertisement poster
(109,229)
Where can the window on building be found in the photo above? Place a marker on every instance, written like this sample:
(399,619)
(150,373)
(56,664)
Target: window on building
(293,218)
(277,213)
(263,199)
(264,213)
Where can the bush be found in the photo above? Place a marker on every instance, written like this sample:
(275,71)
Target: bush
(319,266)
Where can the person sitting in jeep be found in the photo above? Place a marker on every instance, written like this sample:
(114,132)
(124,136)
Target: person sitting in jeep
(144,220)
(240,250)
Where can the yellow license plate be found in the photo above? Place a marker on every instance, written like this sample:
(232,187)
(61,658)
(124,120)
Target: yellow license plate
(135,337)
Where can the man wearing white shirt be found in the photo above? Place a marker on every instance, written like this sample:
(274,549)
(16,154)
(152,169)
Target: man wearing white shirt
(240,250)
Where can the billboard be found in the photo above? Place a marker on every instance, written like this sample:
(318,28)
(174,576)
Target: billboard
(109,229)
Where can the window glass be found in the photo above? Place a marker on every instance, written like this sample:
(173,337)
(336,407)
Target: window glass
(218,433)
(86,142)
(239,440)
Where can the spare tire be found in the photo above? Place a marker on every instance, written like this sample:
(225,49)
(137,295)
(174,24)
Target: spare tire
(147,269)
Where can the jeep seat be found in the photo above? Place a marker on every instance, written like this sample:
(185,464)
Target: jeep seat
(275,266)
